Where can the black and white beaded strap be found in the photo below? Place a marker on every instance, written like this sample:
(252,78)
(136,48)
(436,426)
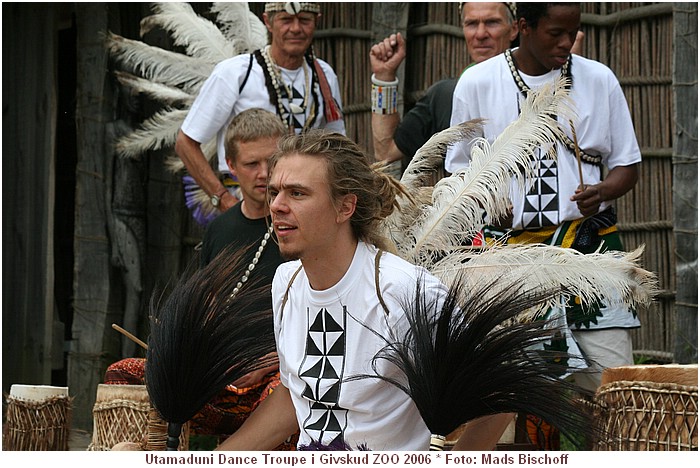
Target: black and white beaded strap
(524,89)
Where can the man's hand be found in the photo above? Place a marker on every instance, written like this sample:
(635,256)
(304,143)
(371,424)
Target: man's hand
(251,379)
(618,182)
(588,199)
(505,221)
(386,56)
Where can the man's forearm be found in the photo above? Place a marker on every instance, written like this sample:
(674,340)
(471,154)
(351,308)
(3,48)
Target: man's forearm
(268,426)
(619,181)
(483,433)
(198,167)
(383,128)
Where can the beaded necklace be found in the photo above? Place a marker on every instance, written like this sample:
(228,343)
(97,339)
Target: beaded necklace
(253,262)
(274,73)
(524,89)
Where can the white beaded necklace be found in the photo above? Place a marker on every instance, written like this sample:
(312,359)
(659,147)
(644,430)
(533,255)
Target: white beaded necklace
(273,70)
(253,263)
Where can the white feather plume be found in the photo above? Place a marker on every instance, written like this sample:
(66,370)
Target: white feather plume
(419,174)
(165,94)
(459,201)
(616,278)
(431,156)
(176,78)
(240,25)
(158,131)
(200,37)
(175,164)
(159,65)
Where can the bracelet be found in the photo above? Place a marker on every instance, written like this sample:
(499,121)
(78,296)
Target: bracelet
(221,192)
(384,99)
(379,82)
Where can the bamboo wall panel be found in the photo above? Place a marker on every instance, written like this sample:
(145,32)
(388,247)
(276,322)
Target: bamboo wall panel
(639,53)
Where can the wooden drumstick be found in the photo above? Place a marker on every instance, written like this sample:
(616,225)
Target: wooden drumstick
(130,336)
(578,153)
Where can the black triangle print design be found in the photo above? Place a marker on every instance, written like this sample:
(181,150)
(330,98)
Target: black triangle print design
(318,405)
(546,188)
(331,324)
(552,206)
(338,441)
(311,348)
(333,423)
(338,348)
(528,208)
(549,173)
(313,371)
(547,221)
(317,325)
(535,223)
(297,95)
(528,217)
(296,123)
(308,393)
(320,423)
(331,395)
(328,371)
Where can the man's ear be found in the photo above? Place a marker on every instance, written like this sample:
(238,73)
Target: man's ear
(346,207)
(513,31)
(266,20)
(523,28)
(231,167)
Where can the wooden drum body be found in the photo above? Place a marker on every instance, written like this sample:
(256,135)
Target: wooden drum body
(38,418)
(123,413)
(648,407)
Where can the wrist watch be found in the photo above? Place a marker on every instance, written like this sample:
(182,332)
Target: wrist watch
(216,198)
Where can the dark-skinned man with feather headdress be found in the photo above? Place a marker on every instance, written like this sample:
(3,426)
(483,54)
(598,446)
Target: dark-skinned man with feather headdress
(284,78)
(570,203)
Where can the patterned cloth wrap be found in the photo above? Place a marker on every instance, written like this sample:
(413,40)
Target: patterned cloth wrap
(223,415)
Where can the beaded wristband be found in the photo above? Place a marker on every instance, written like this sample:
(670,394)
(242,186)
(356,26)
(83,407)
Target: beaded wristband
(384,99)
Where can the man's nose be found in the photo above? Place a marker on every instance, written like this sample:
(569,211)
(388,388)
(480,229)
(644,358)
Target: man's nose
(295,25)
(481,30)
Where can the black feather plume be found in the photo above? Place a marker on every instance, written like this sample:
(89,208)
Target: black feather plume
(467,357)
(202,339)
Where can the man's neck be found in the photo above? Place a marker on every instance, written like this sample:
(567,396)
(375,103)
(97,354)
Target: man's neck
(252,210)
(526,63)
(284,60)
(325,271)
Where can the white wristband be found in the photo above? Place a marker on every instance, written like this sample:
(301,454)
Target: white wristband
(379,82)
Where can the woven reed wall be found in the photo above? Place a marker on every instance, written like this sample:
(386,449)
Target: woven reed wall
(633,39)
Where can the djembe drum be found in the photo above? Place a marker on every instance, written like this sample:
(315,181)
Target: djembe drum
(38,418)
(123,413)
(648,407)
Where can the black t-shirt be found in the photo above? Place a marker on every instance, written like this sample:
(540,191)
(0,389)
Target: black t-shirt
(233,228)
